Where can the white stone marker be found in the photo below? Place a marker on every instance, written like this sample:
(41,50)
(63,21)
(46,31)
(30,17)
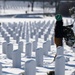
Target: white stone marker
(20,46)
(0,69)
(16,57)
(11,32)
(31,35)
(45,37)
(52,40)
(39,34)
(34,45)
(30,67)
(36,37)
(39,57)
(23,35)
(17,38)
(3,33)
(8,39)
(49,45)
(4,47)
(60,50)
(28,49)
(45,48)
(27,35)
(9,50)
(14,35)
(60,65)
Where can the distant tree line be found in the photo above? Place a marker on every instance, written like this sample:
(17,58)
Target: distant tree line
(32,2)
(61,7)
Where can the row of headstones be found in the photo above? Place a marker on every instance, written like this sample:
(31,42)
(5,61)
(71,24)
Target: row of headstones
(35,28)
(19,31)
(7,48)
(46,48)
(30,65)
(28,53)
(15,32)
(15,55)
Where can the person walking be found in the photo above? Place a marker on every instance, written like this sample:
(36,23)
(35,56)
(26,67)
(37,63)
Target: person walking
(58,31)
(61,32)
